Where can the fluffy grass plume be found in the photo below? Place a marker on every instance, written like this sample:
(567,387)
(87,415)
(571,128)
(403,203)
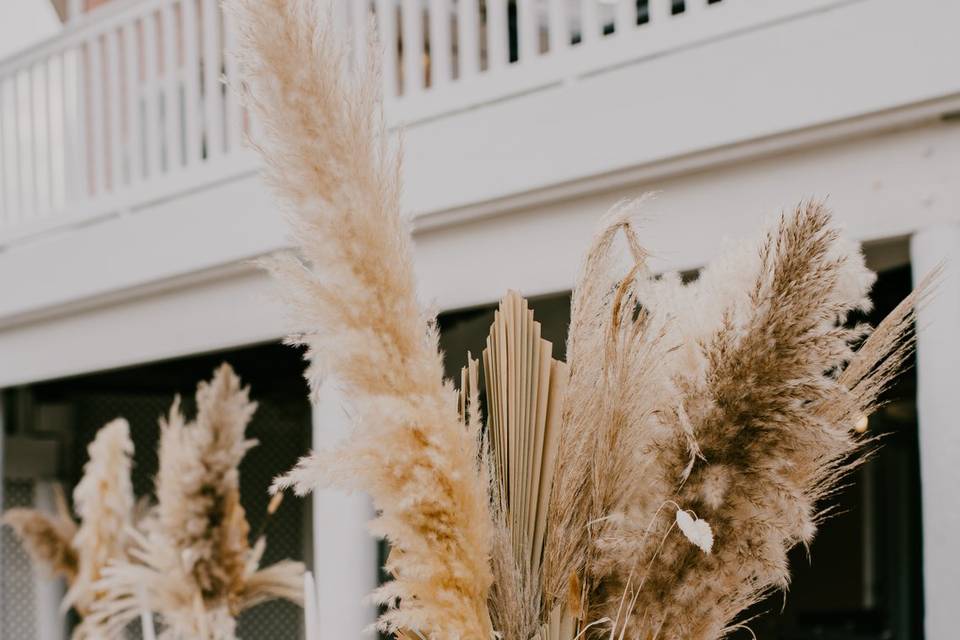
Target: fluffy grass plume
(47,538)
(104,502)
(614,352)
(193,563)
(703,423)
(737,395)
(352,294)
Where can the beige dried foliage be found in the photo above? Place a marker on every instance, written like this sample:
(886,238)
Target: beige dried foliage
(104,502)
(193,563)
(47,539)
(703,422)
(749,391)
(351,292)
(609,399)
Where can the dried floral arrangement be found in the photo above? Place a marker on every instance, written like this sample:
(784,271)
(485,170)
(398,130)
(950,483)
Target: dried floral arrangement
(648,488)
(188,557)
(80,552)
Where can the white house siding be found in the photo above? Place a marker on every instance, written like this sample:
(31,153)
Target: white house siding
(853,101)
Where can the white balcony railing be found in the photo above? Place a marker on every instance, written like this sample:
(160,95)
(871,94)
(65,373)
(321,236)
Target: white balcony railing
(127,106)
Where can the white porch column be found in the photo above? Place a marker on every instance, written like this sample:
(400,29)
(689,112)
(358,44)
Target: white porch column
(938,386)
(50,623)
(344,552)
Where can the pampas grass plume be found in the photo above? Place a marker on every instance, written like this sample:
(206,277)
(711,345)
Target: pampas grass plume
(351,293)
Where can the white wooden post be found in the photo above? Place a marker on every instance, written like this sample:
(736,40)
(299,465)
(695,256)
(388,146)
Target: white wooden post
(498,39)
(50,623)
(468,48)
(412,30)
(589,21)
(387,25)
(559,26)
(938,364)
(626,17)
(440,66)
(529,28)
(344,553)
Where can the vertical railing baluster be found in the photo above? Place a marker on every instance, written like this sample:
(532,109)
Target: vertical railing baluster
(529,28)
(440,69)
(37,140)
(559,26)
(33,133)
(589,23)
(74,167)
(132,56)
(659,10)
(498,36)
(626,20)
(98,147)
(58,134)
(468,47)
(191,80)
(4,188)
(48,134)
(114,112)
(693,7)
(360,20)
(171,89)
(81,86)
(16,161)
(212,93)
(387,27)
(234,108)
(154,152)
(412,39)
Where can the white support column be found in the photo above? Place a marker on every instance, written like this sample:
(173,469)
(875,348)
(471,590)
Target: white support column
(345,554)
(938,382)
(50,623)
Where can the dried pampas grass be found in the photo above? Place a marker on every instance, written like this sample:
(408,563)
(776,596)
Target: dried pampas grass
(702,424)
(192,563)
(353,294)
(104,503)
(737,394)
(48,539)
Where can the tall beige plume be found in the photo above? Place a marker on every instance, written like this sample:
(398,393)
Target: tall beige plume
(736,397)
(193,563)
(105,505)
(351,292)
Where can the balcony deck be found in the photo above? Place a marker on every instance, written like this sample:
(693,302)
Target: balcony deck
(515,121)
(127,108)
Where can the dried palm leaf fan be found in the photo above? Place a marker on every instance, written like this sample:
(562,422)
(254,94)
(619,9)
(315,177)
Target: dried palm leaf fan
(691,434)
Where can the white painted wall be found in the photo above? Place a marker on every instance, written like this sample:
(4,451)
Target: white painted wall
(844,104)
(881,186)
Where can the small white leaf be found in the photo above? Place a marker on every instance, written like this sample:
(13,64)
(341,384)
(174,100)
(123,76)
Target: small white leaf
(697,531)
